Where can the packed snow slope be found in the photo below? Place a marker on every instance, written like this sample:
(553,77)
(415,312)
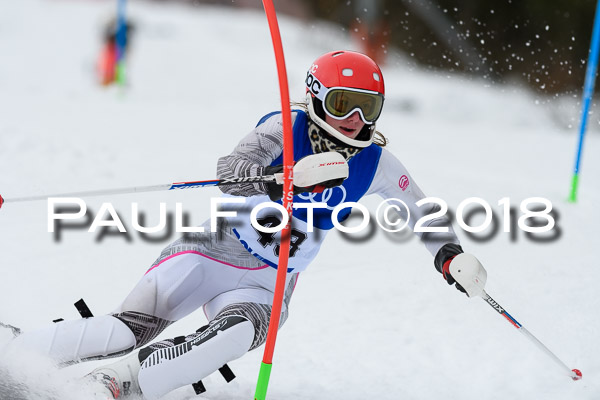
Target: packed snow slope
(371,318)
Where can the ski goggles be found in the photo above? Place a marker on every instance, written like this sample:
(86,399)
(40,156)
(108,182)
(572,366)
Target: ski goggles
(340,102)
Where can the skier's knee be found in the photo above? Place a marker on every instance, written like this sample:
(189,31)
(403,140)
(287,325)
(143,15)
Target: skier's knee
(143,326)
(258,314)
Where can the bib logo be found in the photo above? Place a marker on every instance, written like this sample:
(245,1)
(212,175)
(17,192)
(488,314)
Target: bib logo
(331,196)
(403,182)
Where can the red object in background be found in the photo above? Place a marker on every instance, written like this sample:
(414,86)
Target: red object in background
(1,201)
(372,40)
(107,63)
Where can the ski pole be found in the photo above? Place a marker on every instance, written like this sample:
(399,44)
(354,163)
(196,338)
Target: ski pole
(278,178)
(575,374)
(470,274)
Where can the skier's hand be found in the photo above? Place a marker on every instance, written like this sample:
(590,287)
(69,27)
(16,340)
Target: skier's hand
(442,261)
(313,173)
(275,190)
(448,276)
(461,269)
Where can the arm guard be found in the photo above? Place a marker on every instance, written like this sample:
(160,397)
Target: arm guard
(250,157)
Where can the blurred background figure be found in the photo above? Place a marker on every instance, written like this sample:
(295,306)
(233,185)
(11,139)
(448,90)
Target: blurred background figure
(116,38)
(369,29)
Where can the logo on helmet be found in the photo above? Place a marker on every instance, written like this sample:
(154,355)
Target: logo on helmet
(313,84)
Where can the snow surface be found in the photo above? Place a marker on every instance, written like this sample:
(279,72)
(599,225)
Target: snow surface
(371,318)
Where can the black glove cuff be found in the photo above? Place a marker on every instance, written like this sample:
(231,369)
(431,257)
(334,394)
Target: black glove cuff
(447,251)
(274,190)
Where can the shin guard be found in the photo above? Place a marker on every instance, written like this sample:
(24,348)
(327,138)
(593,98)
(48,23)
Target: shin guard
(68,342)
(186,363)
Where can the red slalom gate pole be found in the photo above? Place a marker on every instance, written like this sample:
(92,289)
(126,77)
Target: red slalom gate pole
(288,164)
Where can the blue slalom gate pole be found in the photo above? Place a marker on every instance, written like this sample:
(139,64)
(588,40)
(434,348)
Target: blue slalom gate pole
(588,91)
(121,42)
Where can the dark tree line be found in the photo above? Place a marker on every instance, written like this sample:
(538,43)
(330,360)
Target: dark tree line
(544,43)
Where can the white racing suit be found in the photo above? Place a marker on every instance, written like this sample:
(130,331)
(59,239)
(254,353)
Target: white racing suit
(230,272)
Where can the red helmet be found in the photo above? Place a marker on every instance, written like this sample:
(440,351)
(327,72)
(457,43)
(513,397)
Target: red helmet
(343,82)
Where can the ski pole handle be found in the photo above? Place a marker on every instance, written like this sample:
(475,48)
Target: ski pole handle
(575,374)
(278,178)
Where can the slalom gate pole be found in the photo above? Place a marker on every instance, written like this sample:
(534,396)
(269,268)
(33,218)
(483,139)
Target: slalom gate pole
(575,374)
(152,188)
(288,190)
(588,91)
(121,42)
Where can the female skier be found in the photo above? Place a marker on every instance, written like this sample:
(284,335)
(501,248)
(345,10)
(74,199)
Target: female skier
(230,270)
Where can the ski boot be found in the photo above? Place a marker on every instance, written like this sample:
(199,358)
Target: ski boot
(118,380)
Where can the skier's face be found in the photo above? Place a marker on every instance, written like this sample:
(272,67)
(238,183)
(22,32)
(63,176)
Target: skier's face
(349,126)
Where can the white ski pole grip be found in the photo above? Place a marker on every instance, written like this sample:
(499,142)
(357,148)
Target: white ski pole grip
(468,272)
(318,168)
